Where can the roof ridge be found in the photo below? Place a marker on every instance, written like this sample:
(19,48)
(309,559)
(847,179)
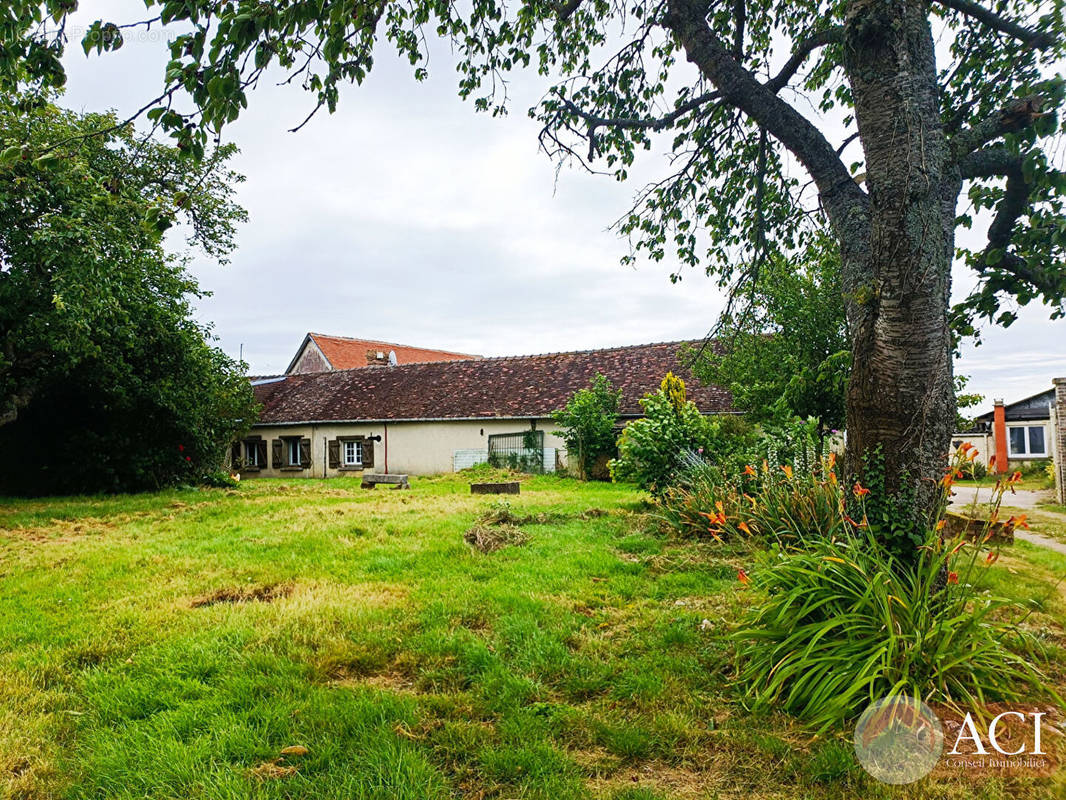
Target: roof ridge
(587,351)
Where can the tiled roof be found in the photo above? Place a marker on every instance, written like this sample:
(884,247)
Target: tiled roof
(346,353)
(513,386)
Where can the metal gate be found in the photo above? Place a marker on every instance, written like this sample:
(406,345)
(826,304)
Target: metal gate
(522,451)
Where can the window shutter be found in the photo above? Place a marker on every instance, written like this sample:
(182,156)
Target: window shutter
(235,455)
(275,451)
(305,453)
(368,453)
(334,453)
(261,447)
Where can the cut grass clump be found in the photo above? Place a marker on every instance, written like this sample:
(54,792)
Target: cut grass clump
(490,538)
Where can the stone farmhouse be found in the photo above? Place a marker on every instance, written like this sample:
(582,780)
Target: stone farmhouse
(353,406)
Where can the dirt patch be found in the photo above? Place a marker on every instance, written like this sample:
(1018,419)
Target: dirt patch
(272,770)
(592,513)
(264,593)
(490,538)
(660,779)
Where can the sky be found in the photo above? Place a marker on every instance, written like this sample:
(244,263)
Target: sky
(407,217)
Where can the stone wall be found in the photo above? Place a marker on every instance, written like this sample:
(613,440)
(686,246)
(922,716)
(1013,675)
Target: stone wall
(1058,416)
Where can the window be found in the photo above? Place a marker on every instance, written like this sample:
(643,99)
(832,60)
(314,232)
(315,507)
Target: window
(1027,441)
(251,454)
(293,446)
(353,454)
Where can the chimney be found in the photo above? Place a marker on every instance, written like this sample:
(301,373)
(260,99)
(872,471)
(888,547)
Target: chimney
(376,358)
(999,435)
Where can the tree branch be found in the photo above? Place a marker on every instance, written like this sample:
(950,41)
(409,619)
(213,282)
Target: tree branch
(1017,115)
(648,123)
(803,49)
(999,162)
(740,88)
(1038,40)
(740,16)
(988,162)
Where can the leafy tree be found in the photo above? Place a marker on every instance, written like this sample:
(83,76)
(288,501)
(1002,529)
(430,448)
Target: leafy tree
(80,237)
(786,354)
(889,127)
(651,449)
(588,422)
(106,381)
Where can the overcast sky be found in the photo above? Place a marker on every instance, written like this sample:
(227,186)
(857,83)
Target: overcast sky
(408,217)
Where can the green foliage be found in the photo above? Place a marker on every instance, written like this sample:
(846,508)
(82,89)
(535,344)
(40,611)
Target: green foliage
(652,448)
(891,511)
(106,380)
(588,422)
(964,400)
(839,624)
(788,354)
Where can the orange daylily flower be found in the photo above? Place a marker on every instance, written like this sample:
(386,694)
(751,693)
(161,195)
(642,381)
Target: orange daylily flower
(788,471)
(940,525)
(1015,478)
(953,577)
(965,447)
(742,576)
(832,460)
(749,470)
(1019,522)
(991,558)
(860,490)
(744,527)
(719,506)
(991,461)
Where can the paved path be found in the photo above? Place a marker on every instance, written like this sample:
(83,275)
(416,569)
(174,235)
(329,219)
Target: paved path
(1022,498)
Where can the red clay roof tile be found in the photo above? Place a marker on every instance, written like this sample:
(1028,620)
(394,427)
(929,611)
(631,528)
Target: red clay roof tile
(513,386)
(346,353)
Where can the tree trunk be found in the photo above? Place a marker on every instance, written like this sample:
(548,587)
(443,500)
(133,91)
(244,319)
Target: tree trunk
(900,402)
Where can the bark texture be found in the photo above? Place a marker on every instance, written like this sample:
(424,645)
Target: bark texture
(900,401)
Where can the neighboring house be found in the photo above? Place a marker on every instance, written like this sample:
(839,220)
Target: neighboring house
(321,353)
(1016,432)
(435,417)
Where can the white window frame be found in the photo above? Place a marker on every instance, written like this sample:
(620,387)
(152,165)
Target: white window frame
(251,453)
(293,447)
(356,453)
(1027,452)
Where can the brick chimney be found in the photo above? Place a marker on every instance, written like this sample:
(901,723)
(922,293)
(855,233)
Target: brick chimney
(999,435)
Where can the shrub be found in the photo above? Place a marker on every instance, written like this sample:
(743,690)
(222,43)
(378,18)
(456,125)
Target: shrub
(587,424)
(650,450)
(842,621)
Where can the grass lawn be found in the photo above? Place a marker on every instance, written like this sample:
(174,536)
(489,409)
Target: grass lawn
(171,645)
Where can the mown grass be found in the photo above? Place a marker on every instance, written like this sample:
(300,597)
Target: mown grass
(136,660)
